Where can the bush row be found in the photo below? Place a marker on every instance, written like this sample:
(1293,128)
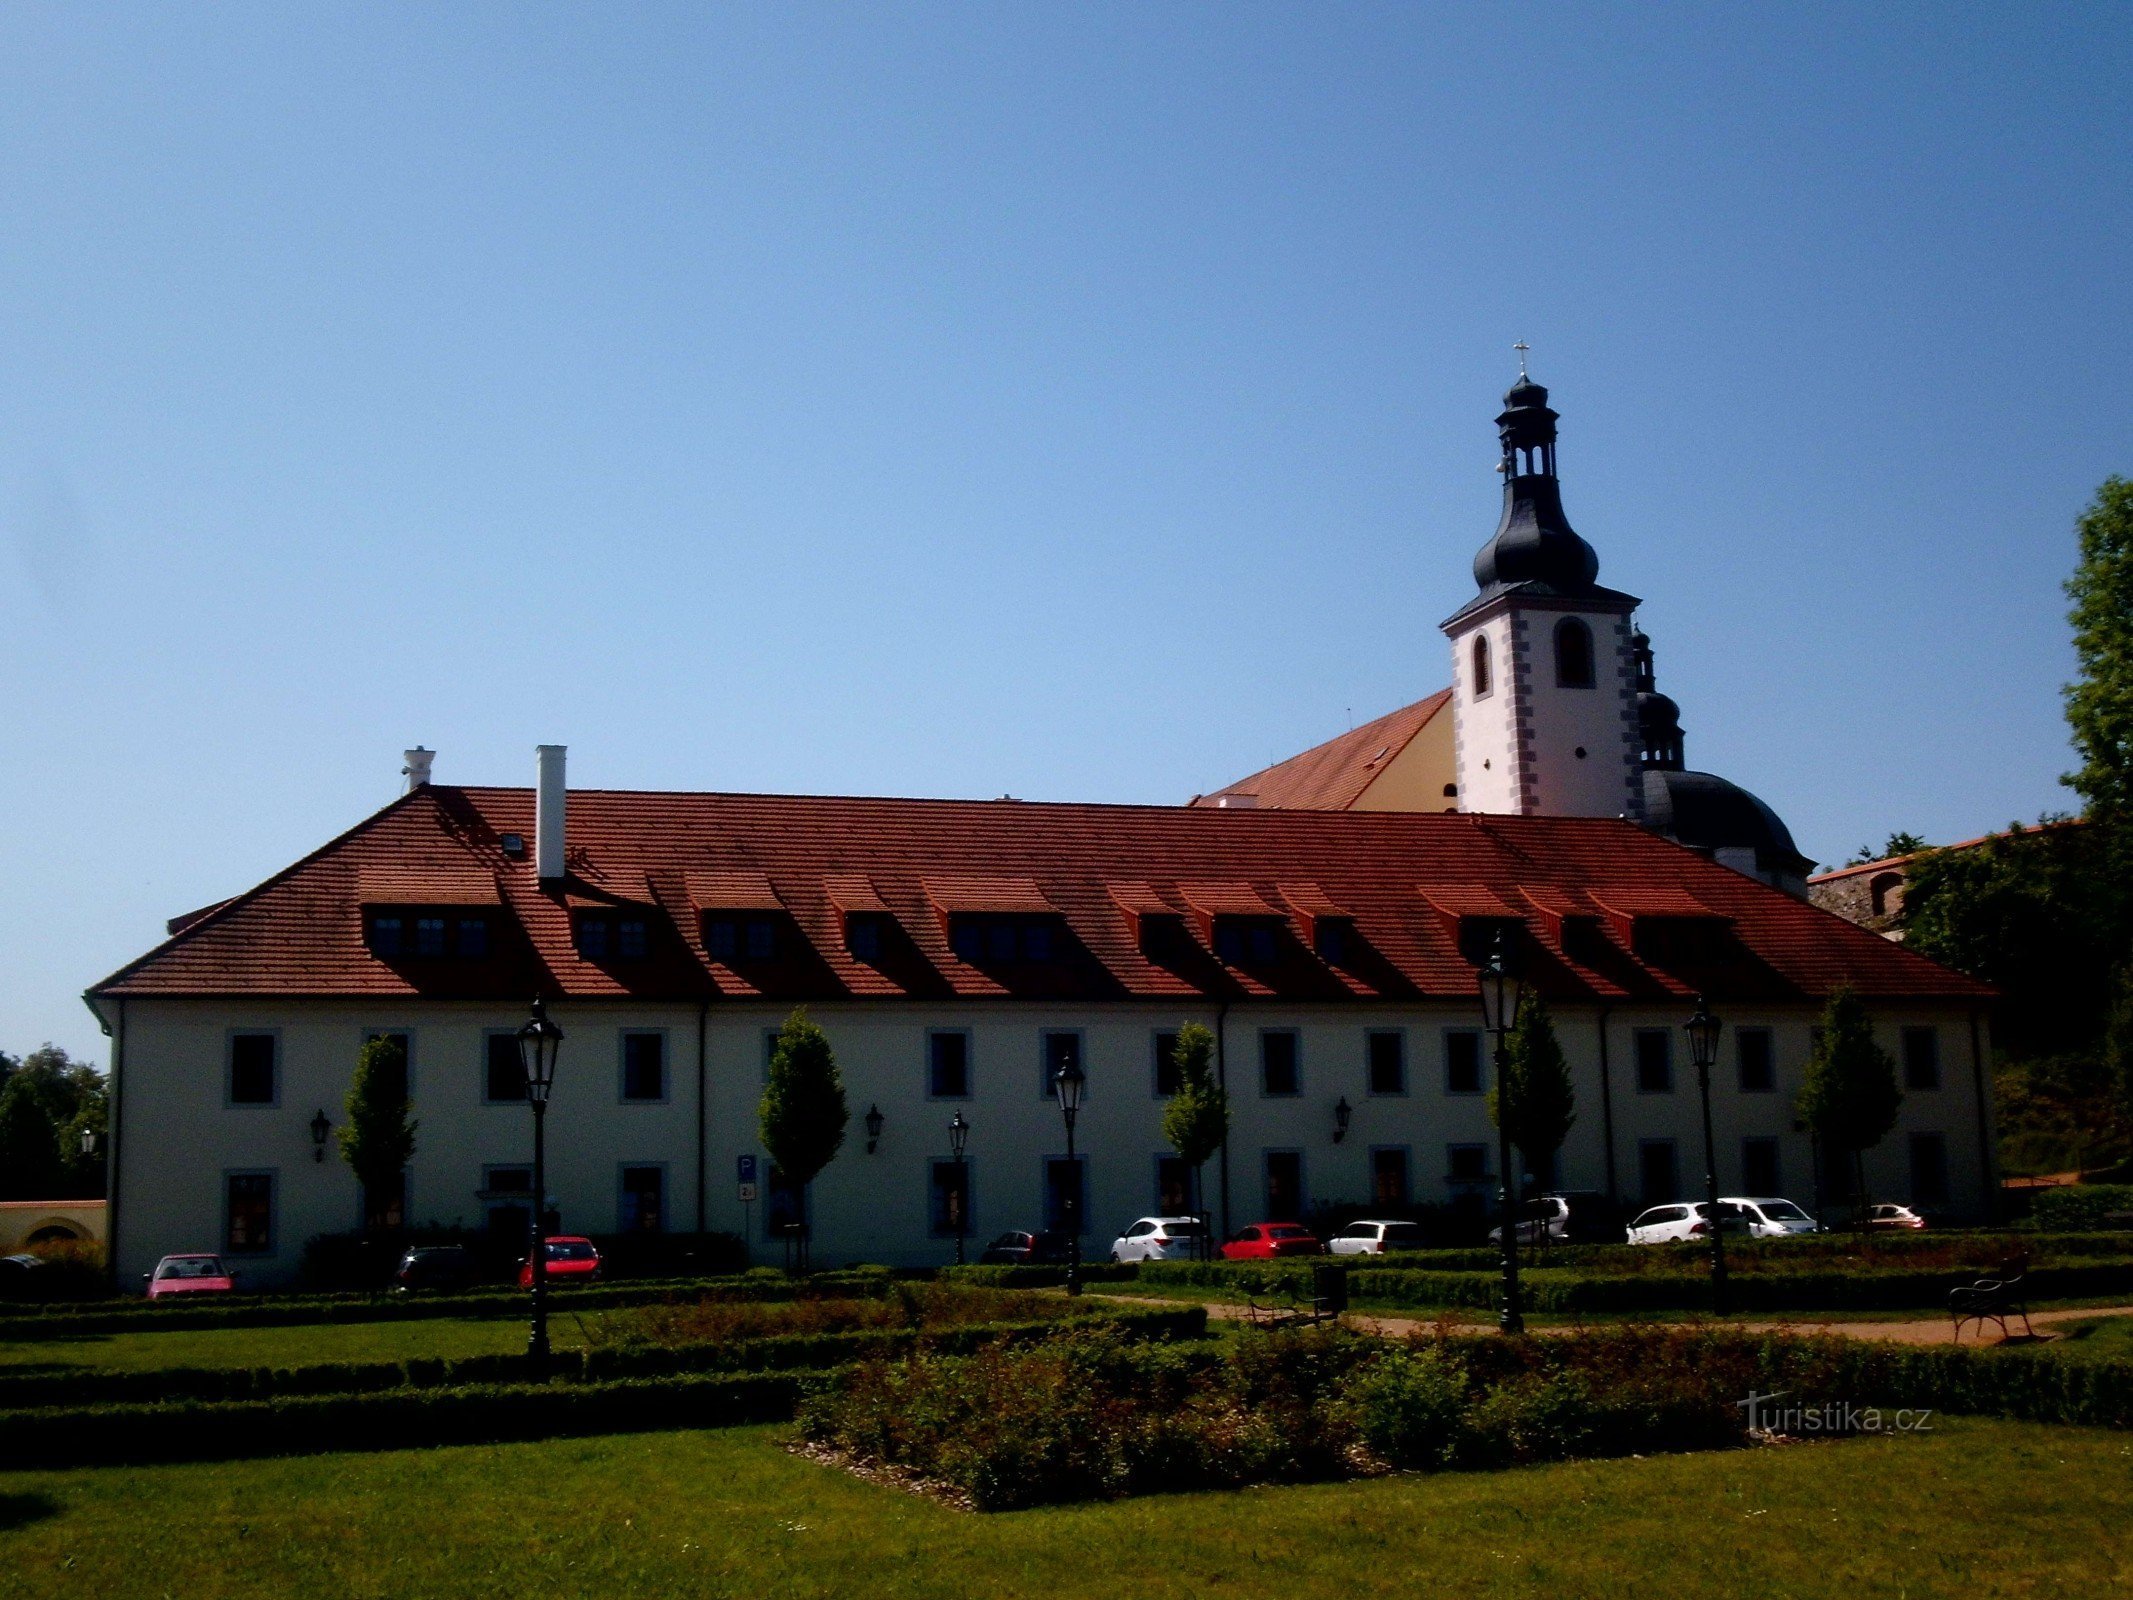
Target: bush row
(1036,1277)
(2084,1206)
(36,1391)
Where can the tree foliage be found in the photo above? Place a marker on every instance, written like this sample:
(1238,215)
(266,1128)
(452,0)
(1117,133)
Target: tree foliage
(2099,704)
(47,1099)
(1196,1118)
(377,1139)
(1543,1098)
(1900,843)
(1850,1097)
(803,1112)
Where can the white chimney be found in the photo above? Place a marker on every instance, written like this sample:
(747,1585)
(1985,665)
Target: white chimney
(1237,802)
(417,770)
(548,814)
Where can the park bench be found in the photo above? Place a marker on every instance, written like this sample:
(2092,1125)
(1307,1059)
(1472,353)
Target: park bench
(1993,1300)
(1288,1309)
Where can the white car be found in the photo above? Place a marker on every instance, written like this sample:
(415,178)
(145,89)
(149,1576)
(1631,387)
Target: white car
(1771,1216)
(1687,1220)
(1375,1238)
(1158,1239)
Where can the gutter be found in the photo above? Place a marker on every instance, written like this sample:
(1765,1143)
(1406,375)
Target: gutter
(1607,1112)
(1222,1082)
(703,1013)
(114,1105)
(1988,1164)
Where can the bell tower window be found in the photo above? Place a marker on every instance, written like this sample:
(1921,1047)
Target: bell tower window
(1481,665)
(1573,654)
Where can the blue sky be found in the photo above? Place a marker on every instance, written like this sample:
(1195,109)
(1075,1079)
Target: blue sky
(1076,402)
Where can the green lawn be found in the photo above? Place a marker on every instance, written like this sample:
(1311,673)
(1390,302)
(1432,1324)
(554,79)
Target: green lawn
(1972,1509)
(283,1347)
(2104,1339)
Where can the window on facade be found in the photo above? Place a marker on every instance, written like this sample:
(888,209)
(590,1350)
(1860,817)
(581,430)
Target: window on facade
(644,1200)
(504,1074)
(1929,1169)
(507,1197)
(1462,1061)
(1758,1060)
(1921,1058)
(248,1214)
(1284,1185)
(948,1065)
(1573,654)
(393,1067)
(729,939)
(1066,1184)
(1655,1061)
(1885,890)
(1759,1174)
(1388,1176)
(1248,941)
(1385,1059)
(644,1066)
(471,935)
(252,1069)
(429,937)
(1658,1172)
(1057,1050)
(1466,1164)
(1173,1186)
(633,939)
(1481,665)
(596,937)
(602,936)
(388,935)
(1279,1068)
(1001,939)
(1167,1079)
(948,1205)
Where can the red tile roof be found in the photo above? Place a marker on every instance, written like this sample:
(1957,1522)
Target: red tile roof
(1332,776)
(300,933)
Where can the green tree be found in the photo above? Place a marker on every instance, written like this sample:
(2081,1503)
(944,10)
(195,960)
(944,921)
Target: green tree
(803,1113)
(377,1138)
(69,1095)
(2099,704)
(30,1165)
(1196,1118)
(1850,1097)
(1899,844)
(1543,1099)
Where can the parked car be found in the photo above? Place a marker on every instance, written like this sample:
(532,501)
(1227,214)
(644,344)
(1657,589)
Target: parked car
(1892,1216)
(1158,1239)
(18,1276)
(1571,1216)
(1264,1240)
(1688,1220)
(569,1260)
(1772,1216)
(176,1275)
(1376,1238)
(445,1267)
(1016,1248)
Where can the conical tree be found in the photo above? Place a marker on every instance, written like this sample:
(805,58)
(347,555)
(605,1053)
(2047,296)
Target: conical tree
(377,1138)
(1543,1099)
(1850,1097)
(1196,1118)
(803,1113)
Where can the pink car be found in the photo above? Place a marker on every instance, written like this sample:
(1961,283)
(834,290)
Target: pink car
(190,1275)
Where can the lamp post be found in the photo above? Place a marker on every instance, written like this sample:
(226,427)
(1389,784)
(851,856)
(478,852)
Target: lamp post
(88,1141)
(538,1042)
(1702,1029)
(1069,1081)
(320,1127)
(1343,1113)
(874,1120)
(1501,992)
(958,1137)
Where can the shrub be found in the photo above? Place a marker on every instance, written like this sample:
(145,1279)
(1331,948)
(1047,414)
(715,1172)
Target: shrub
(2084,1207)
(1408,1404)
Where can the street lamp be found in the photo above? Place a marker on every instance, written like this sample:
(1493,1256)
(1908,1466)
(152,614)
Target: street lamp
(88,1141)
(1070,1080)
(1342,1114)
(538,1043)
(958,1137)
(1501,991)
(1702,1029)
(874,1120)
(320,1127)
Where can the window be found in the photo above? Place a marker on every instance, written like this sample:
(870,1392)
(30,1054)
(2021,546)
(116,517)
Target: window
(948,1065)
(1886,891)
(1173,1186)
(504,1075)
(948,1203)
(1466,1164)
(1388,1175)
(1479,938)
(1162,935)
(472,934)
(729,939)
(507,1196)
(1759,1174)
(1385,1057)
(602,936)
(1057,1050)
(253,1078)
(1481,666)
(1462,1061)
(429,936)
(1758,1061)
(1284,1185)
(1331,937)
(595,937)
(784,1205)
(1573,654)
(644,1066)
(248,1213)
(1002,939)
(862,936)
(1248,941)
(1167,1079)
(1921,1058)
(1658,1171)
(633,940)
(395,1071)
(1929,1169)
(388,936)
(1655,1061)
(1279,1073)
(643,1207)
(1066,1185)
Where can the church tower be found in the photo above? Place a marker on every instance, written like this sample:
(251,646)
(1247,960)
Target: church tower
(1544,682)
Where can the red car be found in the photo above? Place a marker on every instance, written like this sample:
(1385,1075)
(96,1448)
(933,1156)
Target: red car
(175,1275)
(570,1260)
(1266,1239)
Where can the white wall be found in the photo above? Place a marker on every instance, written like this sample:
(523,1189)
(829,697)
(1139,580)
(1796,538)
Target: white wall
(1485,728)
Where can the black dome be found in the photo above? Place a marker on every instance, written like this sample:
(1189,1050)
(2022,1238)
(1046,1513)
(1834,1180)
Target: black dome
(1525,392)
(1535,543)
(1705,812)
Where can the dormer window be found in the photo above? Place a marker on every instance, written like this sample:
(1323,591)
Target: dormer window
(1248,941)
(609,936)
(1333,938)
(429,936)
(426,933)
(734,938)
(1478,936)
(997,939)
(863,936)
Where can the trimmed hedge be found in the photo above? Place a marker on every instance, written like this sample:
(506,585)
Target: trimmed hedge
(2088,1207)
(1037,1277)
(39,1391)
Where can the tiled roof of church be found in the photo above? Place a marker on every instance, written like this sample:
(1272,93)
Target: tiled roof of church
(1110,872)
(1332,776)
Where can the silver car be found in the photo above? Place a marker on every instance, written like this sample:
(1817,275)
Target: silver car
(1772,1216)
(1685,1221)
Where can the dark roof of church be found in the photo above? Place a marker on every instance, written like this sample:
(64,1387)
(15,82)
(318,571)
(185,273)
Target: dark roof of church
(1707,812)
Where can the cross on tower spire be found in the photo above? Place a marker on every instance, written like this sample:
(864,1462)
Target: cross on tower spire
(1521,347)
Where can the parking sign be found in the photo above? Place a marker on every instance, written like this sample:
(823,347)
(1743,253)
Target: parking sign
(747,1165)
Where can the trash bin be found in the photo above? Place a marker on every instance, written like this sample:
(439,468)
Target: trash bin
(1329,1288)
